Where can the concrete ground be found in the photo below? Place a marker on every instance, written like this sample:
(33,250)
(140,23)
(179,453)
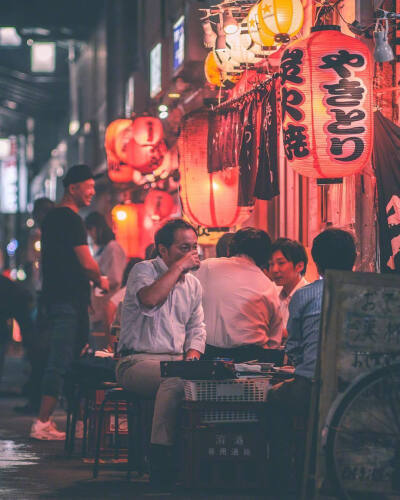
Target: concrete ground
(31,469)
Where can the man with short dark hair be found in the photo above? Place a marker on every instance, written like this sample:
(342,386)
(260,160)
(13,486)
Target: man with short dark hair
(162,320)
(332,249)
(67,267)
(241,305)
(287,267)
(222,246)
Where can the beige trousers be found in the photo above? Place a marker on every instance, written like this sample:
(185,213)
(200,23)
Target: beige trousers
(140,373)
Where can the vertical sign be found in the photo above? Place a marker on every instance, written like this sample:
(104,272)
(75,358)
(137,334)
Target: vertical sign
(155,70)
(9,177)
(179,42)
(129,97)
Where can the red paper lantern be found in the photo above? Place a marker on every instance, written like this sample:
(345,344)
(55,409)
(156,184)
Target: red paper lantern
(145,158)
(326,98)
(112,131)
(159,204)
(147,130)
(133,230)
(124,153)
(118,171)
(208,199)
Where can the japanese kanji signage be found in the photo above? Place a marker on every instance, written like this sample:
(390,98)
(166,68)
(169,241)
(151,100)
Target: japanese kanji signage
(326,104)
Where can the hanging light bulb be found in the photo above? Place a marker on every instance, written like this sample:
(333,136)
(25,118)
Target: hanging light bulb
(383,51)
(210,36)
(230,23)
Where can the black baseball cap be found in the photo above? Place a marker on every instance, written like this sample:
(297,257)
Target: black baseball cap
(78,173)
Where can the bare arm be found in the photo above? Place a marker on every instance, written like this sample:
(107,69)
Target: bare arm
(156,293)
(90,266)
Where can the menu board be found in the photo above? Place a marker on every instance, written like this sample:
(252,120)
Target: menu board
(360,333)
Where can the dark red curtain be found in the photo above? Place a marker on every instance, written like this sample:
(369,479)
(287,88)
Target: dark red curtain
(386,159)
(243,133)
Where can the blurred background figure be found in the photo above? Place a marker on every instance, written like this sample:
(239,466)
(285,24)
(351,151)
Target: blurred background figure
(16,303)
(111,259)
(37,349)
(222,247)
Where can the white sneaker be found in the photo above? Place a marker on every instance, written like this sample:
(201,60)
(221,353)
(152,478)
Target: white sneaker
(46,431)
(79,429)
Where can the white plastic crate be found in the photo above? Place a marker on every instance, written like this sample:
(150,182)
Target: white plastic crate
(228,416)
(254,389)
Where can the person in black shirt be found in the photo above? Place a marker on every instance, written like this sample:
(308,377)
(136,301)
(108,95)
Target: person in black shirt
(67,267)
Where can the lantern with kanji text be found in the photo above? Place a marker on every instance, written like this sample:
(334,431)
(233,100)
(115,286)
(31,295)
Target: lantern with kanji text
(159,204)
(209,199)
(147,130)
(326,102)
(146,159)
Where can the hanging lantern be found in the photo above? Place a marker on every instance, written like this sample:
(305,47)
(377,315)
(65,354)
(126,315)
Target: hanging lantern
(258,36)
(133,230)
(217,77)
(118,171)
(208,199)
(147,130)
(159,205)
(280,19)
(146,159)
(225,62)
(326,94)
(239,44)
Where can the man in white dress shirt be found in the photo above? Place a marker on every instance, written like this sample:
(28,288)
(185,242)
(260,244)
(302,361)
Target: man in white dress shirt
(241,304)
(287,267)
(162,320)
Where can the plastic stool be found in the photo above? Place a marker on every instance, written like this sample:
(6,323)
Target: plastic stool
(83,390)
(118,395)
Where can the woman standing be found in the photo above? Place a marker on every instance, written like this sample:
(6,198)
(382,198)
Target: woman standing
(112,260)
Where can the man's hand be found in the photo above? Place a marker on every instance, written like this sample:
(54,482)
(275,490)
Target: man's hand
(104,284)
(189,262)
(192,354)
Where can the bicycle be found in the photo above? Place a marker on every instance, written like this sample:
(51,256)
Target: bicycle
(362,437)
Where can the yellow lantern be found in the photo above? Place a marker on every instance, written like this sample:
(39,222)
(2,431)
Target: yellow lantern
(258,36)
(280,19)
(217,77)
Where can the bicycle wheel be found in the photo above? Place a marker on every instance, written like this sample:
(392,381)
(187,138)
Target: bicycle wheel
(363,438)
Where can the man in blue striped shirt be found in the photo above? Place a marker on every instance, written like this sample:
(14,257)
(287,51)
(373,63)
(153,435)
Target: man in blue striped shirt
(332,249)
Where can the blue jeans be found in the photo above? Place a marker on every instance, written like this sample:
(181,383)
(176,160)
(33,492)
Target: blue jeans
(69,329)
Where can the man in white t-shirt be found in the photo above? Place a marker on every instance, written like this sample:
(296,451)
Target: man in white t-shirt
(287,267)
(241,304)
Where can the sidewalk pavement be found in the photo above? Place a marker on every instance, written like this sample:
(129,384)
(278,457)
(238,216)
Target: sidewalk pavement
(31,469)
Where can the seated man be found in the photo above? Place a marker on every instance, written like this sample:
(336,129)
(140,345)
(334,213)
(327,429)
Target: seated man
(162,320)
(241,305)
(332,249)
(287,267)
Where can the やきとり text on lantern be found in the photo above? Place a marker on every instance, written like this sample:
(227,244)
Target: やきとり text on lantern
(326,94)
